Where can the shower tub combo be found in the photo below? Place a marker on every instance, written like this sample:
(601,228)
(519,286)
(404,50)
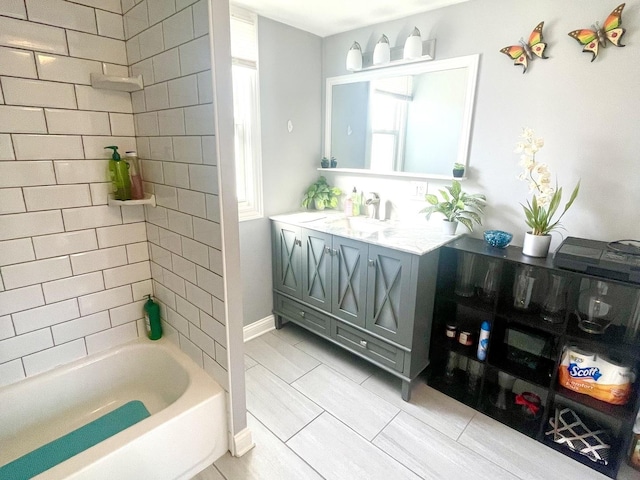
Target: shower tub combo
(140,410)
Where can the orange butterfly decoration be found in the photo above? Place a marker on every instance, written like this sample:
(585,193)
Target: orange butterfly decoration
(612,31)
(521,54)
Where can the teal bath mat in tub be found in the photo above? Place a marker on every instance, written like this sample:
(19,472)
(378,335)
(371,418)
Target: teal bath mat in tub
(65,447)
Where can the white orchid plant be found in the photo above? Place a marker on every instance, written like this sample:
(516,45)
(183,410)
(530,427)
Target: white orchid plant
(540,211)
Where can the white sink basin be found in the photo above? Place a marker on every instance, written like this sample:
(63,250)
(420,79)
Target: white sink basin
(360,225)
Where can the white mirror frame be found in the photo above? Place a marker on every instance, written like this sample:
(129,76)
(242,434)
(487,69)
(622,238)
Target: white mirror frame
(469,61)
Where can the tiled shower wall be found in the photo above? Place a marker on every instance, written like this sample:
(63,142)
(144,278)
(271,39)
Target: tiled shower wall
(168,43)
(73,270)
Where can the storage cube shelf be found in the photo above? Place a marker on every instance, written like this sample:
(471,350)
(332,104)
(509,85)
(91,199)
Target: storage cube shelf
(536,374)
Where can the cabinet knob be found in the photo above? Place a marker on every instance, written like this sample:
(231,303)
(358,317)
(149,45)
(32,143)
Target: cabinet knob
(363,343)
(372,263)
(327,250)
(334,252)
(302,314)
(298,242)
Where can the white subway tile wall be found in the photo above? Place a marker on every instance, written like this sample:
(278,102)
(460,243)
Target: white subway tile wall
(73,271)
(174,126)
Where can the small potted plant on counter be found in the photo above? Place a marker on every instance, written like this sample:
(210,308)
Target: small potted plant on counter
(321,195)
(324,163)
(334,162)
(458,170)
(456,206)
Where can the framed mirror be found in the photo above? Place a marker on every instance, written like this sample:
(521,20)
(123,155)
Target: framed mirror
(411,120)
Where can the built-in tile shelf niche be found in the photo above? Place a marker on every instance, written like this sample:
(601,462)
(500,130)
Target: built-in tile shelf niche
(113,82)
(149,199)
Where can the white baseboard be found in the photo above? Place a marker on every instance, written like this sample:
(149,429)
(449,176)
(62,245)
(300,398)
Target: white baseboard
(241,443)
(258,328)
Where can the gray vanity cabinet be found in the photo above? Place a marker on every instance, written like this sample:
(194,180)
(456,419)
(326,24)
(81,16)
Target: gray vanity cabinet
(374,301)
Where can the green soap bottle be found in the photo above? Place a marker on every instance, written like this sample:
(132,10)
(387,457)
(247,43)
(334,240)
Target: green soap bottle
(119,175)
(355,203)
(152,319)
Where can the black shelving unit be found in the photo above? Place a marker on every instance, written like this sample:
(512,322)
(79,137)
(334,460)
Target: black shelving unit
(535,372)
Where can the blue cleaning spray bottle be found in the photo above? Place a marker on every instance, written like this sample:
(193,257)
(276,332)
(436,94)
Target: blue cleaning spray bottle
(483,341)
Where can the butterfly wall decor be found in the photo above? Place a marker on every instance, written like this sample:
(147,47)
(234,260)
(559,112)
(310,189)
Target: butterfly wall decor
(598,36)
(522,53)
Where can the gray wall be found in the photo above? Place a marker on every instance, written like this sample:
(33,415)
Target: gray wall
(290,89)
(587,113)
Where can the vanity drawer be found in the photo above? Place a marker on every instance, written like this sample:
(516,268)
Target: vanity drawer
(302,315)
(377,350)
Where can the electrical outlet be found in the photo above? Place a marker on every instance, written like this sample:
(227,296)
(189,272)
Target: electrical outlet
(418,190)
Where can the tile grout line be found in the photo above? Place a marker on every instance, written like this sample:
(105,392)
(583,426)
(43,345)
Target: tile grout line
(370,442)
(385,426)
(485,458)
(363,381)
(300,377)
(285,442)
(457,439)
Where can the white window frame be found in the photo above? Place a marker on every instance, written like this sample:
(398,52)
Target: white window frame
(399,130)
(251,207)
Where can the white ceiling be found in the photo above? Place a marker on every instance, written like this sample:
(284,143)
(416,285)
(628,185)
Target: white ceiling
(328,17)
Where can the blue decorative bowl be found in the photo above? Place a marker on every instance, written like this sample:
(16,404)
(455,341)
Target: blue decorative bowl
(497,238)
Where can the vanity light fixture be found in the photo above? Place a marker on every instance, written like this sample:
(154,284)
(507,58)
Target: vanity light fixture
(413,45)
(354,58)
(383,56)
(382,51)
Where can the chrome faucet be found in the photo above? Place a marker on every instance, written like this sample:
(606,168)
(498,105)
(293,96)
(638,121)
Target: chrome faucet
(373,205)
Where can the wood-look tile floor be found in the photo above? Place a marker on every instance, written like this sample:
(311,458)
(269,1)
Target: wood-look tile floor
(318,412)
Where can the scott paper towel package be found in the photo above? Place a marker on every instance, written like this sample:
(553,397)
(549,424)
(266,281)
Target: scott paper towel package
(595,376)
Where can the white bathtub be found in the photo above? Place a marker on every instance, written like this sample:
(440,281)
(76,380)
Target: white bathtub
(186,431)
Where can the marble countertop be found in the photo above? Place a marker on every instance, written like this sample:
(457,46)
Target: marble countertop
(417,237)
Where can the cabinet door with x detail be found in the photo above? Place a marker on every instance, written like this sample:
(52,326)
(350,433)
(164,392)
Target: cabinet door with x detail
(349,275)
(389,294)
(316,268)
(287,274)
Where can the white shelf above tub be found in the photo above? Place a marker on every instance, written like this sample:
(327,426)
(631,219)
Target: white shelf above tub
(149,199)
(113,82)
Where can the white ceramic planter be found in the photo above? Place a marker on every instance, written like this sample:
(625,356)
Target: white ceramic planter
(536,245)
(449,228)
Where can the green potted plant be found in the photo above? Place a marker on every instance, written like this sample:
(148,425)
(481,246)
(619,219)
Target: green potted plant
(321,195)
(456,206)
(334,162)
(458,170)
(324,163)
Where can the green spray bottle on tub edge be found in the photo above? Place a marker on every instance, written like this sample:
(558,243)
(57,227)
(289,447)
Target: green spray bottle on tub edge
(152,319)
(119,176)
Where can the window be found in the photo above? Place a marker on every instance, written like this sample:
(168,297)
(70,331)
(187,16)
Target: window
(389,99)
(246,112)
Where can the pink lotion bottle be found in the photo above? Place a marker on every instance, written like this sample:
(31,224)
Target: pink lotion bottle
(137,193)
